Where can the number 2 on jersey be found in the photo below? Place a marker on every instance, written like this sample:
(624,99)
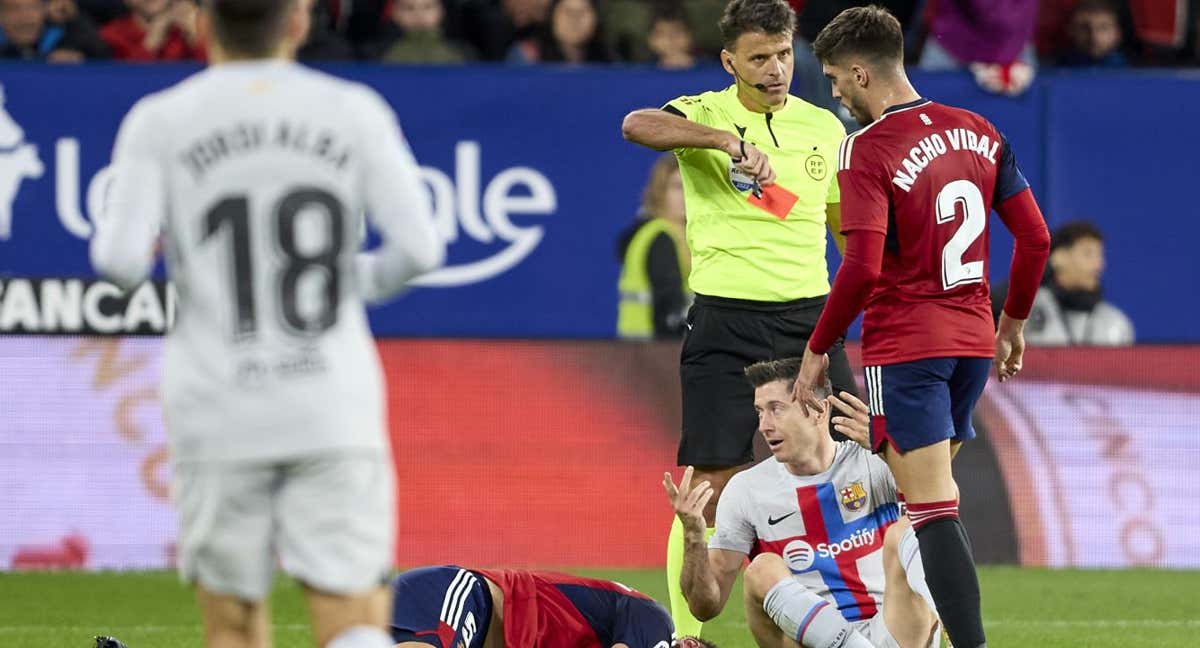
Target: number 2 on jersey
(234,212)
(956,272)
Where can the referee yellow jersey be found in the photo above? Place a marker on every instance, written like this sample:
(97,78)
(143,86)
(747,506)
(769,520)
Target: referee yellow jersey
(739,249)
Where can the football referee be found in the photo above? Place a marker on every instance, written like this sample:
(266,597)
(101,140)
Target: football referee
(759,173)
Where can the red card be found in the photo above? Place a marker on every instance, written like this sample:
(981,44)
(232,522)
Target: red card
(775,200)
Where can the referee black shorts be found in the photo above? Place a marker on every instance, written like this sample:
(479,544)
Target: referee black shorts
(724,336)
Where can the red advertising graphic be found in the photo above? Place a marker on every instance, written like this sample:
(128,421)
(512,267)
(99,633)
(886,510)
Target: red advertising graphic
(551,454)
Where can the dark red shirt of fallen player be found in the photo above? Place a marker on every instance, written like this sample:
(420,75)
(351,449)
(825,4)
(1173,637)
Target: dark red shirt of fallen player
(917,187)
(551,610)
(127,39)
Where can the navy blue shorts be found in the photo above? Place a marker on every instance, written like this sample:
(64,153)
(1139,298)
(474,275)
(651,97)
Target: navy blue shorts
(446,607)
(919,403)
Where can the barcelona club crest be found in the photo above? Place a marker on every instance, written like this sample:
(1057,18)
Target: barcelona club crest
(854,497)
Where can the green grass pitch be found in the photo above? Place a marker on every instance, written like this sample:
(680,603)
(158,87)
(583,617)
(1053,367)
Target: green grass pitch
(1022,607)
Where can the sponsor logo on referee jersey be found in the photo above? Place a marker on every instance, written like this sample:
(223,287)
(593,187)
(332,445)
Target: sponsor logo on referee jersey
(741,181)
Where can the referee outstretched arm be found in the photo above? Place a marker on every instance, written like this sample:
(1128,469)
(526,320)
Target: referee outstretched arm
(663,130)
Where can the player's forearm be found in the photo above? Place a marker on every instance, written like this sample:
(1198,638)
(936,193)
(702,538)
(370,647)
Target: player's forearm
(1031,248)
(661,131)
(697,581)
(122,248)
(124,265)
(851,288)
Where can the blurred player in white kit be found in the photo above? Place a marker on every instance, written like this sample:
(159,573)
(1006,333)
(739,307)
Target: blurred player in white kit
(256,173)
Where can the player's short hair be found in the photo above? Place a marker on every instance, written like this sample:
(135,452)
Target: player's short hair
(701,642)
(249,27)
(785,369)
(871,32)
(1071,233)
(766,16)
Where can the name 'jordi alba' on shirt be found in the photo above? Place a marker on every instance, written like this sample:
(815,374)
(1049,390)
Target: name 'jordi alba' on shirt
(931,146)
(217,146)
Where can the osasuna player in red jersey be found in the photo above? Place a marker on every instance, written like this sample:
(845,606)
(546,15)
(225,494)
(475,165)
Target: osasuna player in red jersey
(917,184)
(453,607)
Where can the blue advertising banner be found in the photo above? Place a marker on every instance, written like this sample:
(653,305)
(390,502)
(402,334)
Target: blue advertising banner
(531,182)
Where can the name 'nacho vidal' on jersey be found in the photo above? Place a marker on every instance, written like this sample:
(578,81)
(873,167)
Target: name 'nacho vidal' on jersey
(931,146)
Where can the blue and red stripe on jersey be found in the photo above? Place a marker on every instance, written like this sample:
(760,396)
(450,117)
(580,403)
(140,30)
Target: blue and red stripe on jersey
(824,524)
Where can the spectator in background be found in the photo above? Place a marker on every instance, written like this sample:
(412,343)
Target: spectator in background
(992,38)
(572,35)
(1070,309)
(53,32)
(491,28)
(627,23)
(324,42)
(655,261)
(155,30)
(417,36)
(102,11)
(1094,30)
(670,37)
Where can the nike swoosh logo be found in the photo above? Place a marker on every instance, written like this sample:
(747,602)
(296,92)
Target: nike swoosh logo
(741,130)
(773,521)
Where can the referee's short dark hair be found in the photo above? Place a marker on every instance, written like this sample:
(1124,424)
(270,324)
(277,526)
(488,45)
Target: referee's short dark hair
(1073,232)
(872,32)
(249,27)
(785,369)
(767,16)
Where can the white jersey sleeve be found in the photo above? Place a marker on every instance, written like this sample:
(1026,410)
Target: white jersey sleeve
(734,527)
(122,249)
(397,205)
(882,482)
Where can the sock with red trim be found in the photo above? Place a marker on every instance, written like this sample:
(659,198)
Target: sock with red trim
(949,570)
(810,619)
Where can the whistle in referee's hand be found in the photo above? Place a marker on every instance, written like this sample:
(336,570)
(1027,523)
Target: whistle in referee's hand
(756,189)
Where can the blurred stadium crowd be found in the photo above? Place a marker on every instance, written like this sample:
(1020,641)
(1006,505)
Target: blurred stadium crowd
(674,34)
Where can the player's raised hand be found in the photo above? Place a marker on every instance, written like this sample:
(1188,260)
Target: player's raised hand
(1010,347)
(812,373)
(689,501)
(856,424)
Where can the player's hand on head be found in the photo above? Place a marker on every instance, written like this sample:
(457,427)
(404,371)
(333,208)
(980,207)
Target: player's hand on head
(812,373)
(854,420)
(689,500)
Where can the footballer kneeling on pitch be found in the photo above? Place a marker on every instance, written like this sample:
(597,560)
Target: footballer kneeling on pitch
(833,563)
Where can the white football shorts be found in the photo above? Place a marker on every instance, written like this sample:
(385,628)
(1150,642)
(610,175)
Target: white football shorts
(329,519)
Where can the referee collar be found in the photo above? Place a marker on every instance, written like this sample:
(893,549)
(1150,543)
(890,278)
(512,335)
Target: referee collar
(912,104)
(732,90)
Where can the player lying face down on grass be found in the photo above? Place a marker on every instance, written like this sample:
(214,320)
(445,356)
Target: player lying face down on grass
(832,563)
(451,607)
